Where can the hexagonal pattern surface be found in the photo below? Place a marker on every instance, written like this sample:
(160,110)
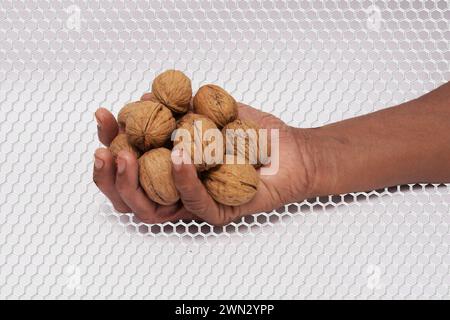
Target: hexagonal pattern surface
(309,63)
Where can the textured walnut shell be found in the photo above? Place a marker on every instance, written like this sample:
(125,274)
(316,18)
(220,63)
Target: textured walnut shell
(173,89)
(155,176)
(126,110)
(232,184)
(242,140)
(216,104)
(190,122)
(149,125)
(120,143)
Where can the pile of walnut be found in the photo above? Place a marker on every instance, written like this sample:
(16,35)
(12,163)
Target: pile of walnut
(148,127)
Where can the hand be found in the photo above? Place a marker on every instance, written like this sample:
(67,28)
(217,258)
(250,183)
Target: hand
(119,181)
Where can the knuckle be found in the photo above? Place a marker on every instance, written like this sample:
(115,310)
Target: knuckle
(183,182)
(121,209)
(149,220)
(198,208)
(224,216)
(193,206)
(121,187)
(217,220)
(96,178)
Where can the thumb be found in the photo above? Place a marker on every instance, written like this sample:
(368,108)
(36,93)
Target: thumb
(193,194)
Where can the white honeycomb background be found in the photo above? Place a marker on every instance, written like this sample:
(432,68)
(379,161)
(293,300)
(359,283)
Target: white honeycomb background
(308,62)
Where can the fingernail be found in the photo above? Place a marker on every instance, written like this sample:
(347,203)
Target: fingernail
(98,163)
(121,164)
(177,158)
(99,124)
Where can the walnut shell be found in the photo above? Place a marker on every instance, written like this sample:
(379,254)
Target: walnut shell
(216,104)
(125,111)
(173,89)
(149,125)
(232,184)
(120,143)
(198,123)
(155,176)
(242,140)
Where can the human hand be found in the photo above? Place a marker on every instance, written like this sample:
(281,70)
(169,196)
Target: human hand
(120,183)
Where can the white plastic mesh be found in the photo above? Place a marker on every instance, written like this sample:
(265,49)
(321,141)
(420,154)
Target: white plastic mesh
(309,63)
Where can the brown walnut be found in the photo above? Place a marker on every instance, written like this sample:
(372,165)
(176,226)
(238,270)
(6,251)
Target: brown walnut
(216,104)
(232,184)
(196,124)
(155,176)
(173,89)
(242,140)
(149,125)
(120,143)
(125,111)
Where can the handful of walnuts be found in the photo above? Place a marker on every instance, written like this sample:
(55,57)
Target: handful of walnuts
(201,129)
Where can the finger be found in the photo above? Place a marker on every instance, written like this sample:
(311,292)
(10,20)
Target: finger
(104,176)
(264,119)
(127,183)
(174,213)
(265,199)
(107,127)
(247,112)
(193,194)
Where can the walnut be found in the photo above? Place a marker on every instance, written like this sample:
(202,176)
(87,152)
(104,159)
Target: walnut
(215,103)
(173,89)
(149,125)
(125,111)
(155,176)
(203,153)
(120,143)
(232,184)
(242,139)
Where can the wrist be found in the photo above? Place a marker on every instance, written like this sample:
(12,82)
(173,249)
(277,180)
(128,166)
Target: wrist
(320,157)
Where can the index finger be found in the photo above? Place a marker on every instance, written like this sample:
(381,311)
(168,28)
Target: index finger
(107,127)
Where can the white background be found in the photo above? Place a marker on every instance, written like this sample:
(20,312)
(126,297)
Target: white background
(309,63)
